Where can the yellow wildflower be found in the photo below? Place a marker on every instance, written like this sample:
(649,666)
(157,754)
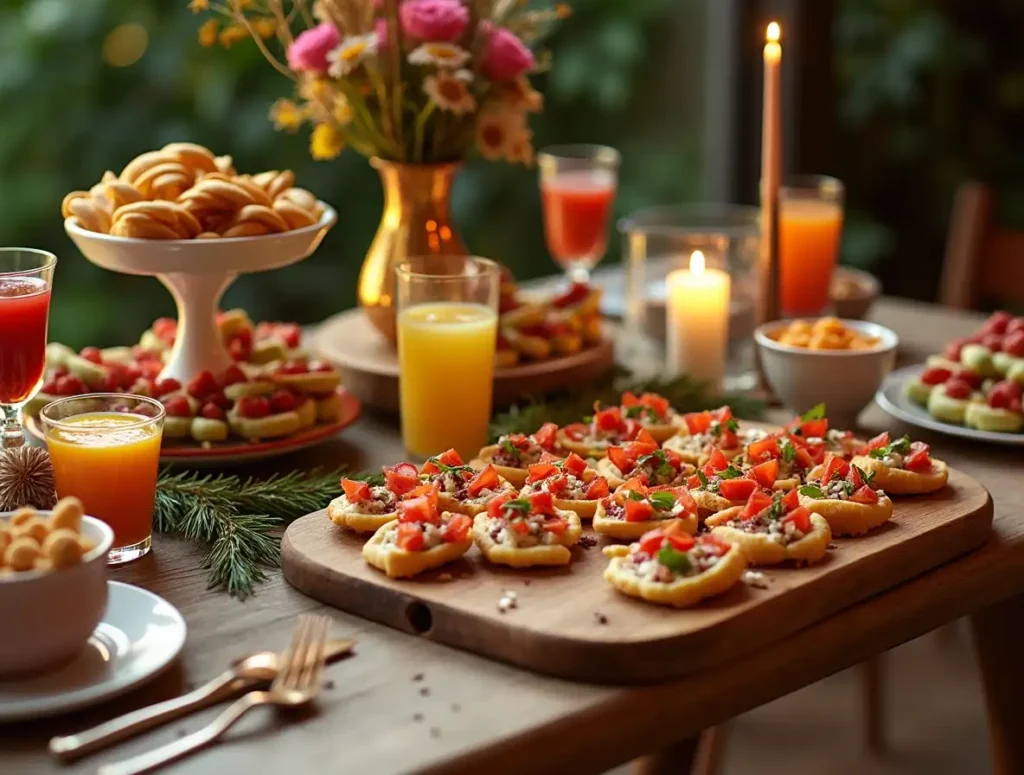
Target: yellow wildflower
(286,115)
(342,111)
(315,89)
(265,27)
(208,33)
(197,6)
(326,142)
(232,34)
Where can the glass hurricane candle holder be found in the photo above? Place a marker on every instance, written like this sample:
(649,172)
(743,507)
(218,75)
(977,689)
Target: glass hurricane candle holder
(659,241)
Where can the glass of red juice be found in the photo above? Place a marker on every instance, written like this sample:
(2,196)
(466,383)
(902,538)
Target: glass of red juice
(577,189)
(25,279)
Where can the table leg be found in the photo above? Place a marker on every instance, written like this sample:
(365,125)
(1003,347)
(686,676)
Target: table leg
(873,685)
(677,759)
(998,634)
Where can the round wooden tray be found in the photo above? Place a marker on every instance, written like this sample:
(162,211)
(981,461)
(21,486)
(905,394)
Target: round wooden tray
(369,366)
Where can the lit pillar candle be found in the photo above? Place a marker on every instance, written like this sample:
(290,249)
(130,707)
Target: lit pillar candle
(698,321)
(771,171)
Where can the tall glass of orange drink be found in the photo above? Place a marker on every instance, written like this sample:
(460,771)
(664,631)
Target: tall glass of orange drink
(447,331)
(105,449)
(810,228)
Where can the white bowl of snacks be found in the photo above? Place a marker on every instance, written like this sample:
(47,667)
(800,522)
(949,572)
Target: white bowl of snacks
(53,585)
(838,362)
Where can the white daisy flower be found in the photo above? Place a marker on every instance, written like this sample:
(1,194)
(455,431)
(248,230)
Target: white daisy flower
(444,55)
(352,52)
(449,93)
(464,75)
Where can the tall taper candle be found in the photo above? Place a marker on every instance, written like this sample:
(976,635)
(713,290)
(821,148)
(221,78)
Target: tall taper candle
(771,173)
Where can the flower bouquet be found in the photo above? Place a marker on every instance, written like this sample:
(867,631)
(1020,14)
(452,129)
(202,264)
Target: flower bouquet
(412,84)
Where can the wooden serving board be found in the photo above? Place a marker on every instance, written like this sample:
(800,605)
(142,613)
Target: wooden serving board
(369,365)
(570,623)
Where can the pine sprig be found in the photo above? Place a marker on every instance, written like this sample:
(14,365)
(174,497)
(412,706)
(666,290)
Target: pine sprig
(235,518)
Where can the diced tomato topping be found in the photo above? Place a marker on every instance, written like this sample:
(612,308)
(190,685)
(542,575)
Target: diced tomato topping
(420,509)
(879,441)
(698,422)
(651,541)
(430,468)
(800,517)
(428,489)
(791,500)
(556,525)
(539,471)
(519,526)
(693,482)
(737,489)
(935,375)
(485,479)
(814,428)
(757,503)
(638,511)
(609,419)
(803,458)
(853,474)
(636,484)
(598,488)
(919,458)
(574,465)
(518,440)
(557,484)
(457,528)
(576,431)
(681,542)
(717,461)
(450,458)
(764,449)
(834,466)
(541,503)
(494,505)
(402,478)
(644,437)
(630,399)
(630,429)
(356,492)
(713,544)
(410,537)
(864,494)
(727,439)
(765,473)
(545,435)
(620,459)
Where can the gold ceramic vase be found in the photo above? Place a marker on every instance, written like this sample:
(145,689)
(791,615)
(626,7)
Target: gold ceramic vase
(416,222)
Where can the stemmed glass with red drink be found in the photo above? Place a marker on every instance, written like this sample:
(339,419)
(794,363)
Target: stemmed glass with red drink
(25,279)
(577,186)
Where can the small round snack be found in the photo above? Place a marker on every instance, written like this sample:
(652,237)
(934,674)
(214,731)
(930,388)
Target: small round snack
(668,567)
(772,528)
(636,508)
(606,429)
(948,402)
(902,467)
(460,487)
(514,453)
(919,389)
(645,459)
(365,508)
(67,514)
(719,485)
(22,553)
(62,549)
(843,495)
(526,531)
(700,432)
(653,412)
(988,418)
(574,485)
(421,538)
(34,528)
(823,334)
(796,457)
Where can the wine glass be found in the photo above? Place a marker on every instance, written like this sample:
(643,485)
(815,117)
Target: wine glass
(577,186)
(26,276)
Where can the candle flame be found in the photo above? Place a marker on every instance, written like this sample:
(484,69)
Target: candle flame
(697,262)
(773,32)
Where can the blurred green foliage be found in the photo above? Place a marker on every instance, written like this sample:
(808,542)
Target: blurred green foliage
(68,117)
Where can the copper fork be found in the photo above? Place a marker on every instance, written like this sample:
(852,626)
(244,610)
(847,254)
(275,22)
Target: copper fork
(297,683)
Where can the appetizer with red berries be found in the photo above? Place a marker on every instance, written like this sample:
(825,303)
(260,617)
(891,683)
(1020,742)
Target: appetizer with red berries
(514,453)
(526,531)
(574,485)
(902,467)
(668,566)
(366,505)
(653,412)
(422,537)
(461,487)
(703,431)
(607,428)
(719,485)
(636,508)
(773,527)
(643,458)
(843,495)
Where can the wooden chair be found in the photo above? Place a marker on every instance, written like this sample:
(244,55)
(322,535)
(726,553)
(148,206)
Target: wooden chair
(983,262)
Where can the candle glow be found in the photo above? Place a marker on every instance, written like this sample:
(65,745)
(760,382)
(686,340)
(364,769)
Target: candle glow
(698,320)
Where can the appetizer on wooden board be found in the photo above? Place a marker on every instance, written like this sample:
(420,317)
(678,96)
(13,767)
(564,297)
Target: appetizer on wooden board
(644,458)
(635,508)
(514,453)
(526,531)
(902,467)
(573,484)
(843,494)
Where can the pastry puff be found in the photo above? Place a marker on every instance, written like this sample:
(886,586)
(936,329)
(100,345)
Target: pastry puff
(761,550)
(485,457)
(584,449)
(899,481)
(684,592)
(846,518)
(679,444)
(399,563)
(627,531)
(711,503)
(348,515)
(528,556)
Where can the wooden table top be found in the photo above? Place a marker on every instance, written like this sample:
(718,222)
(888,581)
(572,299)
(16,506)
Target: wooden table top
(405,704)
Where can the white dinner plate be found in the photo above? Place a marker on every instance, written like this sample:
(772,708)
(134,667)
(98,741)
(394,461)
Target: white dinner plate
(139,636)
(893,400)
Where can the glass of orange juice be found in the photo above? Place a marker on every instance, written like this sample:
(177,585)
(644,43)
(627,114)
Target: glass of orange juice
(105,449)
(810,227)
(447,330)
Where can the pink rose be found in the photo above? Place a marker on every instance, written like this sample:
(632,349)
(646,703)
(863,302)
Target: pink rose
(505,56)
(434,20)
(309,51)
(381,28)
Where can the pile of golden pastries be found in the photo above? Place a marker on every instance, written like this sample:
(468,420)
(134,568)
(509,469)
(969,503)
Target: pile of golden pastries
(32,541)
(184,191)
(823,334)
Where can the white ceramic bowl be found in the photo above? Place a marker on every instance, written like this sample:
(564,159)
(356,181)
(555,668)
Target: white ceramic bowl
(46,617)
(845,380)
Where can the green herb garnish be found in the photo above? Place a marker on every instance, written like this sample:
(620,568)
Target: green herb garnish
(867,477)
(788,451)
(510,448)
(673,559)
(730,473)
(732,424)
(520,507)
(633,411)
(900,446)
(663,501)
(812,491)
(633,495)
(703,478)
(816,412)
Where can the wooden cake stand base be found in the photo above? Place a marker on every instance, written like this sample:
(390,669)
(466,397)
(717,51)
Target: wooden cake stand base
(369,365)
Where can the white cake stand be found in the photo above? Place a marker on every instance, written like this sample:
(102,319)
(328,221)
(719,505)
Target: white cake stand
(197,272)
